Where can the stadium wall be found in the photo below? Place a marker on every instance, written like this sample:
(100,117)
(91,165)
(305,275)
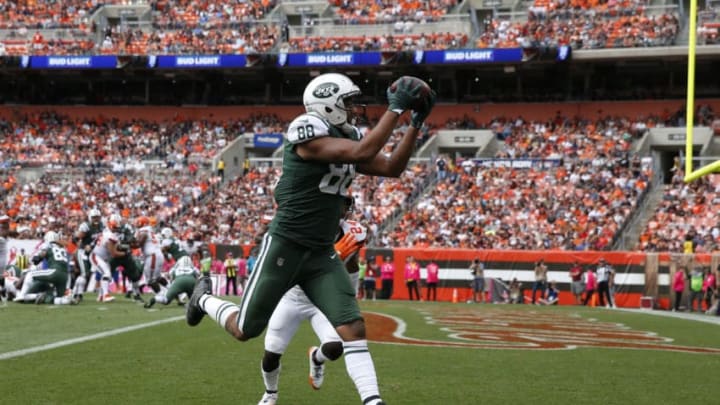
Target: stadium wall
(481,112)
(638,274)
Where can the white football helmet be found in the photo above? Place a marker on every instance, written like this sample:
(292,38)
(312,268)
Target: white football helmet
(52,237)
(115,222)
(325,95)
(166,233)
(185,261)
(94,215)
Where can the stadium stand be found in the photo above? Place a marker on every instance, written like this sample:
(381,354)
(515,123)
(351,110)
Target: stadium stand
(62,197)
(381,12)
(210,27)
(577,199)
(237,212)
(49,137)
(588,174)
(709,23)
(583,25)
(684,213)
(577,206)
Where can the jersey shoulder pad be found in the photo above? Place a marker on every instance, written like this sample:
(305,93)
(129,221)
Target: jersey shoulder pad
(84,227)
(306,128)
(355,228)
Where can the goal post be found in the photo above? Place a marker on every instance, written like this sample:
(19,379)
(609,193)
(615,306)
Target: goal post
(690,174)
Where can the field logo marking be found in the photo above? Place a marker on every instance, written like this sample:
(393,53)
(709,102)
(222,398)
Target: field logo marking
(529,330)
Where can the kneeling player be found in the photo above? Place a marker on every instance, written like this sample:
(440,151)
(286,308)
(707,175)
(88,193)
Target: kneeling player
(48,284)
(183,276)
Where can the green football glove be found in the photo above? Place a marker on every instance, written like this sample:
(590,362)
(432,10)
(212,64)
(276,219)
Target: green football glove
(402,93)
(418,116)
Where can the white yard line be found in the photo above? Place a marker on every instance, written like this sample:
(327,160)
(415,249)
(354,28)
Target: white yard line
(679,315)
(81,339)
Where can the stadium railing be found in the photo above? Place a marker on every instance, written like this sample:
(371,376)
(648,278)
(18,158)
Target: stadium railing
(326,27)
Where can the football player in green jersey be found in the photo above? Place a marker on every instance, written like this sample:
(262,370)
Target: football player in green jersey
(182,276)
(132,269)
(171,246)
(322,153)
(48,284)
(86,236)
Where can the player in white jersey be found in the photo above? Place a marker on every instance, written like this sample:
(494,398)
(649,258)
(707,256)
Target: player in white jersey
(295,307)
(107,248)
(153,258)
(8,283)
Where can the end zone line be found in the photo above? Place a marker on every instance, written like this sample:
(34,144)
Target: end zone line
(68,342)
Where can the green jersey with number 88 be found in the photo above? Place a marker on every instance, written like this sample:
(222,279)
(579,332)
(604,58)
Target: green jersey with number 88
(310,194)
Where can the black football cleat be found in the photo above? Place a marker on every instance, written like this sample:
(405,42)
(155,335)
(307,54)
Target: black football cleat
(194,314)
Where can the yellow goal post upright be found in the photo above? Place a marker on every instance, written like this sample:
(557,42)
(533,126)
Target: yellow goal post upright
(690,174)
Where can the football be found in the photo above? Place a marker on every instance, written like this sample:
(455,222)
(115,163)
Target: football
(423,94)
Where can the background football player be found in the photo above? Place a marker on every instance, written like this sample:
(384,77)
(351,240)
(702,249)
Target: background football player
(182,276)
(47,283)
(107,248)
(86,237)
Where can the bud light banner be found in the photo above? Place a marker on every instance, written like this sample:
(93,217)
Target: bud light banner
(70,62)
(503,55)
(331,59)
(268,141)
(196,61)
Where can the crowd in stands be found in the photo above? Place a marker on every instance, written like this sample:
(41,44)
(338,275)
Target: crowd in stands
(577,197)
(52,138)
(399,42)
(212,27)
(573,206)
(212,15)
(583,33)
(238,211)
(48,14)
(250,38)
(387,11)
(708,30)
(685,213)
(61,199)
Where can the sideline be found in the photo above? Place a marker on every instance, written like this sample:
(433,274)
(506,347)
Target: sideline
(101,335)
(715,320)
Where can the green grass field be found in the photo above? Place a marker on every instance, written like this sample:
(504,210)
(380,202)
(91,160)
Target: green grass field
(171,363)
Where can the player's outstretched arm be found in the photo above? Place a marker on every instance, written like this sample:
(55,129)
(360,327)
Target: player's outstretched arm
(336,150)
(394,164)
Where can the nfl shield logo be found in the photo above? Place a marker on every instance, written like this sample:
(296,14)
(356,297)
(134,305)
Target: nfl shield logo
(419,56)
(282,59)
